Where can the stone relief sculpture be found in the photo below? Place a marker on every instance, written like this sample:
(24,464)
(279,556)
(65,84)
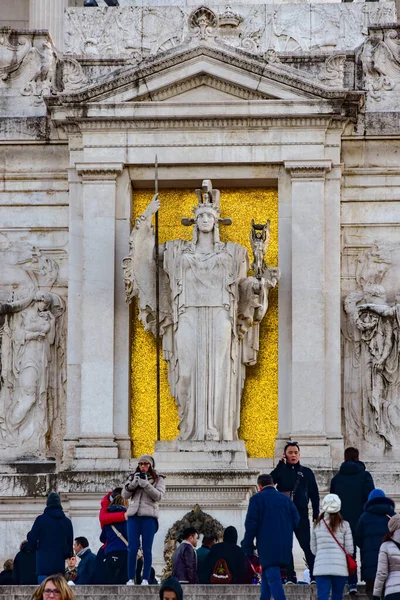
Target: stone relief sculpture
(134,32)
(380,60)
(31,67)
(32,338)
(210,310)
(372,350)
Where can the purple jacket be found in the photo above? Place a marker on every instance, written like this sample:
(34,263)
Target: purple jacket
(184,563)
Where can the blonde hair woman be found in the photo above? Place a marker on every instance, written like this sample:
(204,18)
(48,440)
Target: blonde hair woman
(53,587)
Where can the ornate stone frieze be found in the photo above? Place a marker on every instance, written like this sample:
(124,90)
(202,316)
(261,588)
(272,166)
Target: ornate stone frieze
(32,353)
(139,31)
(371,343)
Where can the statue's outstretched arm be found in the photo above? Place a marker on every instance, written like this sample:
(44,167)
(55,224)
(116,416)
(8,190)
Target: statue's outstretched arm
(380,309)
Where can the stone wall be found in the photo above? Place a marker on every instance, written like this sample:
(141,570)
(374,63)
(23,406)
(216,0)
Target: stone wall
(300,97)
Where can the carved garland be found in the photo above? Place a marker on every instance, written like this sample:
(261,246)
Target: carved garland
(204,524)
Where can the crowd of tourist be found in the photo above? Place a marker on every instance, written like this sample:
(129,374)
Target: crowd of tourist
(354,514)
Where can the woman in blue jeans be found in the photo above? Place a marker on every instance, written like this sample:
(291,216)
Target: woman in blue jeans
(330,566)
(144,488)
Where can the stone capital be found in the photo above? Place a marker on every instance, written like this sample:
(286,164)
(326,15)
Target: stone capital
(99,171)
(314,169)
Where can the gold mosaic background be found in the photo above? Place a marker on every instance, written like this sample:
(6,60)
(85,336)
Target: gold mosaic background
(259,418)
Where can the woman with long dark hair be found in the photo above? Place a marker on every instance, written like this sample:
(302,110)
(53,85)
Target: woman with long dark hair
(144,488)
(331,538)
(388,572)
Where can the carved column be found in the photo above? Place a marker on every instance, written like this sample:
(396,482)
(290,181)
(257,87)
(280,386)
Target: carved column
(309,370)
(49,14)
(97,318)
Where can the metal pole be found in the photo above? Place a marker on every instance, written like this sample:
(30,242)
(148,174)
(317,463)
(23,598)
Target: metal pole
(158,345)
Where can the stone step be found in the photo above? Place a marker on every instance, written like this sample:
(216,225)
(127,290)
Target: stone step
(151,592)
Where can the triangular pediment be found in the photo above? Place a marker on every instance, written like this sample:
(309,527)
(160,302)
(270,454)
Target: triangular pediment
(203,88)
(202,74)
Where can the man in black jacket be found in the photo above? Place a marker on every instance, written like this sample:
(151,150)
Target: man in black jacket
(299,484)
(353,485)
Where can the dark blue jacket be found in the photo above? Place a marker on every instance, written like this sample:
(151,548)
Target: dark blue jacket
(371,528)
(86,568)
(52,538)
(285,476)
(353,485)
(108,535)
(271,518)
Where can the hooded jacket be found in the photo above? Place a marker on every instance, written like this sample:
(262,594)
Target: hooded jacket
(285,476)
(371,527)
(388,571)
(171,584)
(52,538)
(144,495)
(353,485)
(233,555)
(24,569)
(329,557)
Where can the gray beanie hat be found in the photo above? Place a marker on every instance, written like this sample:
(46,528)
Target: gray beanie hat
(147,458)
(394,523)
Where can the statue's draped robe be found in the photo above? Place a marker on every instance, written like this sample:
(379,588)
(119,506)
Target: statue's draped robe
(206,315)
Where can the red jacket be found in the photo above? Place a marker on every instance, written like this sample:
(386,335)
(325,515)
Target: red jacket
(105,517)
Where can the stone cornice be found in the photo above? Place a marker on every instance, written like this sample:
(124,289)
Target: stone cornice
(251,64)
(97,124)
(99,171)
(315,169)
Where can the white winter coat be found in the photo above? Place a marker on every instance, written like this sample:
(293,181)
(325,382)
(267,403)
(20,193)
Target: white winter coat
(388,572)
(329,557)
(144,495)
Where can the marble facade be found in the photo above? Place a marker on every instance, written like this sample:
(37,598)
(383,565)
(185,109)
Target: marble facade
(301,96)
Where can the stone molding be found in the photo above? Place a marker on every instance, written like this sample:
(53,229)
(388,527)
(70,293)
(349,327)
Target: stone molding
(200,123)
(99,172)
(209,81)
(308,170)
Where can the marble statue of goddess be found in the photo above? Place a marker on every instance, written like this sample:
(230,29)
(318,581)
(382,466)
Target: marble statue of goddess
(210,310)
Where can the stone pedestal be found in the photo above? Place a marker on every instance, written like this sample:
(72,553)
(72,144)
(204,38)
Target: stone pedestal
(200,455)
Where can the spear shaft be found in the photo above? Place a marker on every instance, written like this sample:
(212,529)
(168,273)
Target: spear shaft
(158,345)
